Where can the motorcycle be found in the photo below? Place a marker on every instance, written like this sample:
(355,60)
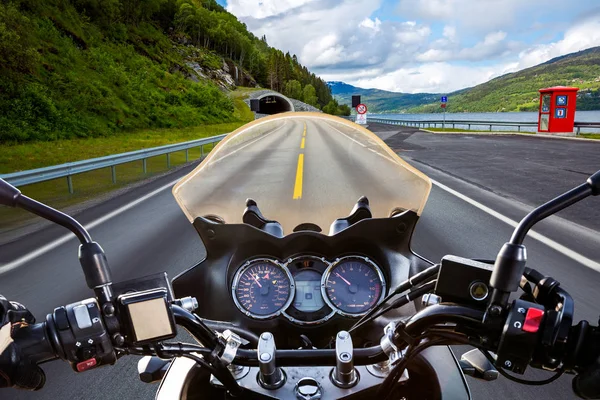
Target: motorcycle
(280,309)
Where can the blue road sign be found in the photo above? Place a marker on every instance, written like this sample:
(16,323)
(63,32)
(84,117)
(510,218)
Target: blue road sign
(561,100)
(444,99)
(560,112)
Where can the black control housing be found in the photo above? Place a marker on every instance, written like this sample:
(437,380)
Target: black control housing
(517,346)
(459,277)
(79,335)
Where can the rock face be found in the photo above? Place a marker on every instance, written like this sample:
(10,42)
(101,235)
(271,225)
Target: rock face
(300,106)
(228,76)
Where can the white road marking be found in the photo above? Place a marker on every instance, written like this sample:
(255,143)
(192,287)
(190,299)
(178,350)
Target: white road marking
(252,142)
(355,141)
(535,235)
(381,155)
(65,238)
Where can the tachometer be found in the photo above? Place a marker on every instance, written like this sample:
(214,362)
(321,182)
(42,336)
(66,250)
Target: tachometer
(262,288)
(353,285)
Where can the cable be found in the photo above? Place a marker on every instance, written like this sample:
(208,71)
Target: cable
(402,301)
(519,380)
(202,362)
(387,387)
(401,288)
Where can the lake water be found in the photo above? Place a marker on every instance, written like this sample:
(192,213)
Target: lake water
(580,116)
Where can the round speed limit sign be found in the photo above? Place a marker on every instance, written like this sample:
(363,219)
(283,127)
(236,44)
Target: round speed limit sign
(361,109)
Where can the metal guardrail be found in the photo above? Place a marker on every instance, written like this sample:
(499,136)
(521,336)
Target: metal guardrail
(448,123)
(467,123)
(69,169)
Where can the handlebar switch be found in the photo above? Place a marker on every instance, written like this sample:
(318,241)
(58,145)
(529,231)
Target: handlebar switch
(344,375)
(270,377)
(520,336)
(79,332)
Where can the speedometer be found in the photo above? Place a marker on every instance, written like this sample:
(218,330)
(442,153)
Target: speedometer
(262,288)
(353,285)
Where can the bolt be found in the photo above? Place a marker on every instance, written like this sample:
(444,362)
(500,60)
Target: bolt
(108,309)
(265,357)
(210,233)
(345,356)
(266,336)
(118,339)
(401,228)
(495,311)
(343,335)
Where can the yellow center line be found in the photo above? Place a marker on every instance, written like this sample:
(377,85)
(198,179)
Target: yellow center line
(304,133)
(299,172)
(302,144)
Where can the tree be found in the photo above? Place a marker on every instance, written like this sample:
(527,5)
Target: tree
(309,95)
(331,108)
(344,109)
(293,89)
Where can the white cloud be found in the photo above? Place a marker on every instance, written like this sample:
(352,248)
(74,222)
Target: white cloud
(343,39)
(372,25)
(584,34)
(324,51)
(450,33)
(262,8)
(476,14)
(433,77)
(492,46)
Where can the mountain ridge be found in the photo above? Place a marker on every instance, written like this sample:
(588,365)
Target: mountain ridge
(516,91)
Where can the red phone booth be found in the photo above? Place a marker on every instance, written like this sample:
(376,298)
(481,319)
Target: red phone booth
(557,109)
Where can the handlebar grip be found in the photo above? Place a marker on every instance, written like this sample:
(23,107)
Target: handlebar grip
(34,343)
(587,384)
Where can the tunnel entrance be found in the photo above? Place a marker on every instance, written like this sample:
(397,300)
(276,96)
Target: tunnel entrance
(271,103)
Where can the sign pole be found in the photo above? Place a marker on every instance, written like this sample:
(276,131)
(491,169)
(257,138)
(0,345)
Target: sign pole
(444,101)
(444,124)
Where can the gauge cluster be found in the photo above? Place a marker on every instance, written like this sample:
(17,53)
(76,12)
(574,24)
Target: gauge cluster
(308,290)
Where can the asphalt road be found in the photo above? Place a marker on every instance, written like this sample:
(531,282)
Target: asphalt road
(153,235)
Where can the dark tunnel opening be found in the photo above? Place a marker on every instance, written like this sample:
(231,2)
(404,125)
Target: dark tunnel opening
(274,105)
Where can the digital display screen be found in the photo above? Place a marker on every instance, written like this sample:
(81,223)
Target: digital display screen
(308,296)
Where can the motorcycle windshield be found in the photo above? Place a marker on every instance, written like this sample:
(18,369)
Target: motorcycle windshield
(301,168)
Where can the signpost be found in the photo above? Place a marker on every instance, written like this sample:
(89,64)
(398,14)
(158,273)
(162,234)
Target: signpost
(444,104)
(361,114)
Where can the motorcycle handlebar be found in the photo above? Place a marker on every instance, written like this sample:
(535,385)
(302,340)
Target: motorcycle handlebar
(35,344)
(39,344)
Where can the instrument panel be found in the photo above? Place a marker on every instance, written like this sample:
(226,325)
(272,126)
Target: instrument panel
(308,289)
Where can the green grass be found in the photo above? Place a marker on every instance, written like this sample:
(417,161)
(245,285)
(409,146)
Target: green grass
(93,184)
(458,130)
(472,130)
(242,111)
(27,156)
(590,135)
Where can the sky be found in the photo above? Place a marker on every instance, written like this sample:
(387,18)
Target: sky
(412,46)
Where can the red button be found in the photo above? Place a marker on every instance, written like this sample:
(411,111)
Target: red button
(533,319)
(87,364)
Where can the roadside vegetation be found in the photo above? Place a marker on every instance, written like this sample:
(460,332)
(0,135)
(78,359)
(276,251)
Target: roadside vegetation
(96,68)
(459,130)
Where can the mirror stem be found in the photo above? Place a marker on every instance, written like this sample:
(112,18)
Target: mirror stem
(55,216)
(552,207)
